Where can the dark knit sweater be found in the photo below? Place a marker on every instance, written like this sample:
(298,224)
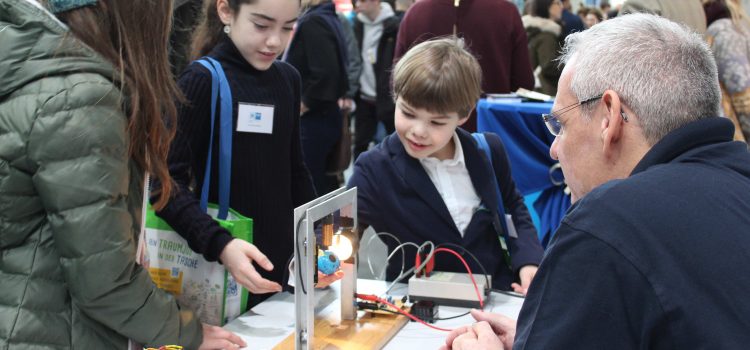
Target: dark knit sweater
(269,178)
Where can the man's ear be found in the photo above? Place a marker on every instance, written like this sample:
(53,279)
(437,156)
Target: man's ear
(612,123)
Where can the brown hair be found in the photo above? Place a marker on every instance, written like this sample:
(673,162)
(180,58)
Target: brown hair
(133,36)
(210,29)
(439,75)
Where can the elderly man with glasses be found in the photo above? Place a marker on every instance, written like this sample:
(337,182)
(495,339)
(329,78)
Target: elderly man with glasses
(655,251)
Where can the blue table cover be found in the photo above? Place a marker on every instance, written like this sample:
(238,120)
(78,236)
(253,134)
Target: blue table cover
(527,142)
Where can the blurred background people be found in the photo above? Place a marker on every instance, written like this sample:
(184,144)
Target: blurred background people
(605,7)
(593,16)
(401,6)
(318,50)
(687,12)
(544,32)
(187,14)
(729,36)
(376,29)
(570,22)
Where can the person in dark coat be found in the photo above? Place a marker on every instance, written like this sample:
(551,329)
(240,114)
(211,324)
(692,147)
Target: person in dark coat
(571,22)
(492,30)
(318,50)
(186,15)
(376,28)
(653,254)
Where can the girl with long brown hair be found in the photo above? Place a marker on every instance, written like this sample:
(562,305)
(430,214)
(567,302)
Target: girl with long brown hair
(85,109)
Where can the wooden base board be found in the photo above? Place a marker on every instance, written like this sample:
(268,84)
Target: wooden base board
(370,331)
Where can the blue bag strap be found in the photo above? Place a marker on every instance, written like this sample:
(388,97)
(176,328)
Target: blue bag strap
(214,96)
(219,90)
(484,146)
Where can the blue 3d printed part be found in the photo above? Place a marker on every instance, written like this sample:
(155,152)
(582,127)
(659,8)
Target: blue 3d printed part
(328,263)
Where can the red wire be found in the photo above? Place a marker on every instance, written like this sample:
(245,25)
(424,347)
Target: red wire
(479,296)
(375,298)
(405,313)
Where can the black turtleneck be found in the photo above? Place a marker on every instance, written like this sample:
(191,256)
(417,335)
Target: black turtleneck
(269,178)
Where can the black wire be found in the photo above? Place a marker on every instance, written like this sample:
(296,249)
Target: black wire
(452,317)
(433,319)
(299,259)
(481,267)
(506,292)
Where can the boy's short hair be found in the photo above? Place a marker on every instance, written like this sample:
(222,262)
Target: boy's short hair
(440,76)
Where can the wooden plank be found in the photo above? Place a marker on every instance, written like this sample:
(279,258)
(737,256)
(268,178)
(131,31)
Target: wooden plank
(370,331)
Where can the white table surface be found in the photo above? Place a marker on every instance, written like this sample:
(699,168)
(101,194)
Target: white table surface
(270,322)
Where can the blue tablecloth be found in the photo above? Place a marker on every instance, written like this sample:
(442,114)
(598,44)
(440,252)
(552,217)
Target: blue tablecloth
(527,142)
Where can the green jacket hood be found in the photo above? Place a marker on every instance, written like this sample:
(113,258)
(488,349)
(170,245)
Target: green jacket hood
(27,32)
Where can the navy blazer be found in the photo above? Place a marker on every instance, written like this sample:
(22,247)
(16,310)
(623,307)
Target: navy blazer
(396,195)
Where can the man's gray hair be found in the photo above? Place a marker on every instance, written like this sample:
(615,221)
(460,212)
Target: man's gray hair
(661,70)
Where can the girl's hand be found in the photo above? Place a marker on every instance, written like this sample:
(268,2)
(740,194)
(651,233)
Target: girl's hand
(238,257)
(218,338)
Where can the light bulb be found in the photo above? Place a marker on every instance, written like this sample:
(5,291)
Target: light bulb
(341,246)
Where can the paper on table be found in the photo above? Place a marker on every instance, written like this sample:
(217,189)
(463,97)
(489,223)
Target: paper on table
(533,95)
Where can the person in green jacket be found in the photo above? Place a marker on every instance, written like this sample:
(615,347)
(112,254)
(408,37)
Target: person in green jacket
(543,31)
(86,99)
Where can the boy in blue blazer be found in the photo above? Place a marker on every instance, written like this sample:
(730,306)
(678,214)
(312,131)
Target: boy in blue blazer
(429,181)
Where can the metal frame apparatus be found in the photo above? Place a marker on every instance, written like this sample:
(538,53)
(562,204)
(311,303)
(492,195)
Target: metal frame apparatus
(305,251)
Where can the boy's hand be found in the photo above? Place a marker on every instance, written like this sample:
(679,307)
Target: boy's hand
(238,257)
(326,280)
(526,275)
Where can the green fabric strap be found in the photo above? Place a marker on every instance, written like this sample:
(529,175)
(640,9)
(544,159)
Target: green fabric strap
(57,6)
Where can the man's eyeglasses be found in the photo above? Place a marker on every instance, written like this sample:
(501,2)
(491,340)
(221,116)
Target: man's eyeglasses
(552,120)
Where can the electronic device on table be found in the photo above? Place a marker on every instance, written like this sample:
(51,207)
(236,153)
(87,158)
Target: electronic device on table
(341,206)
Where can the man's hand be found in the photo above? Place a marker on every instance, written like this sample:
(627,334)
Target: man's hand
(526,274)
(476,337)
(504,327)
(238,257)
(215,338)
(303,108)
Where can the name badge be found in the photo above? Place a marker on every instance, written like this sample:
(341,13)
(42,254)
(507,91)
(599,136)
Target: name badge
(511,226)
(255,118)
